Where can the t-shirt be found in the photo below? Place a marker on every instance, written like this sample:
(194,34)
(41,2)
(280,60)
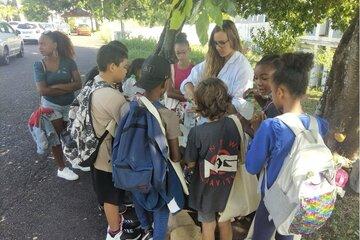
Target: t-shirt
(129,88)
(62,75)
(272,143)
(107,104)
(181,75)
(214,146)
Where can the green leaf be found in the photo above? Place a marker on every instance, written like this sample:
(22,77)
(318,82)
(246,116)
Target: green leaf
(214,12)
(177,18)
(174,2)
(202,25)
(188,7)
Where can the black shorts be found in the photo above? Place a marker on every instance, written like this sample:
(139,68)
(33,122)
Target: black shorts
(104,188)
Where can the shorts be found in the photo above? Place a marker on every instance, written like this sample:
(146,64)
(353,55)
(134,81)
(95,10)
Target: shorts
(104,188)
(207,217)
(59,111)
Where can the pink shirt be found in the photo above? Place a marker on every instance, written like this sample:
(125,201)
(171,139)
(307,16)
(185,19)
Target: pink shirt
(181,75)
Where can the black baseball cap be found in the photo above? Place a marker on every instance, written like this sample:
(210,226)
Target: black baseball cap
(154,71)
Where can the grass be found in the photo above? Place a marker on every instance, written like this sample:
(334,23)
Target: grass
(344,223)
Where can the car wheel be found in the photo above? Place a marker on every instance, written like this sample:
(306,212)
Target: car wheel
(5,60)
(21,53)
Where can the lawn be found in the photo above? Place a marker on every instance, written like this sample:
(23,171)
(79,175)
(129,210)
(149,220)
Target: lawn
(344,223)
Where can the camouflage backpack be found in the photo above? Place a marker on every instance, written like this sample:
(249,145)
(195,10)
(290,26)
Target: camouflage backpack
(79,141)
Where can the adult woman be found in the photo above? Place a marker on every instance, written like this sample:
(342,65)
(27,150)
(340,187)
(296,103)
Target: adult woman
(57,78)
(224,61)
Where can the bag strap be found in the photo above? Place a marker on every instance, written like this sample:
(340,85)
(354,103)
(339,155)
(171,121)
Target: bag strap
(152,109)
(314,126)
(242,137)
(293,122)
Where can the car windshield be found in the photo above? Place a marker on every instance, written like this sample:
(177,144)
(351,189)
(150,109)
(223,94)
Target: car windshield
(27,26)
(46,25)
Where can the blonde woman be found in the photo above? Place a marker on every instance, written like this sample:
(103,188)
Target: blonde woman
(224,61)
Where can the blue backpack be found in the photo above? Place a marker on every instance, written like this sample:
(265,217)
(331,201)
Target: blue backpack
(140,151)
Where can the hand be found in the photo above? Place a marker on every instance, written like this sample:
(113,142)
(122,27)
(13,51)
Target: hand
(256,120)
(248,92)
(189,92)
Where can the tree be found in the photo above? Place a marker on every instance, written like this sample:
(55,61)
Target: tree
(35,10)
(8,12)
(294,17)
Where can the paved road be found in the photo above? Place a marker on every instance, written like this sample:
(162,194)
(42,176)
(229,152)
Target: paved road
(34,203)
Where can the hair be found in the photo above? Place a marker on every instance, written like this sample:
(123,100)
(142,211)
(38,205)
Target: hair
(120,45)
(292,71)
(213,61)
(268,59)
(108,54)
(212,98)
(64,47)
(181,38)
(135,66)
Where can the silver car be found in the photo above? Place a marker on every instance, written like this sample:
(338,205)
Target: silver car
(11,44)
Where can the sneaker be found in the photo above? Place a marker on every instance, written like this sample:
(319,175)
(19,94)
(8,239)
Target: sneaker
(84,169)
(130,220)
(131,234)
(67,174)
(116,237)
(148,235)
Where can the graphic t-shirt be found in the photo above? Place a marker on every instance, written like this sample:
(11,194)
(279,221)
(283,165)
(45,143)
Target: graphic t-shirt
(214,146)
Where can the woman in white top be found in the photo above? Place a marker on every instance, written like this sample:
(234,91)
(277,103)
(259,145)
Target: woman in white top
(224,61)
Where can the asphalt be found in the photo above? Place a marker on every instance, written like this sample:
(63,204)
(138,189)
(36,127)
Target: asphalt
(34,202)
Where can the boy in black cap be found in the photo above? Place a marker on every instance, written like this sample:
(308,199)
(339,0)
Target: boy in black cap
(155,72)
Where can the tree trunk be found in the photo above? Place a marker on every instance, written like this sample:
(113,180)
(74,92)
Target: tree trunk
(340,101)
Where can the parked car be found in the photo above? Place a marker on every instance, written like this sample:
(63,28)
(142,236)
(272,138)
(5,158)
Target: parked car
(83,29)
(14,24)
(63,27)
(11,44)
(30,31)
(47,26)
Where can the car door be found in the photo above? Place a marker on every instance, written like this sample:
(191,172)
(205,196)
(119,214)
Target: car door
(16,39)
(9,37)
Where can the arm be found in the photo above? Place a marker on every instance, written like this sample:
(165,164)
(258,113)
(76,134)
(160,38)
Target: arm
(259,148)
(45,90)
(174,93)
(187,86)
(174,149)
(70,87)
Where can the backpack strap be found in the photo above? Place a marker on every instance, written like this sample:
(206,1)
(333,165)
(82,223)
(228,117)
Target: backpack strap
(314,126)
(293,122)
(152,109)
(242,137)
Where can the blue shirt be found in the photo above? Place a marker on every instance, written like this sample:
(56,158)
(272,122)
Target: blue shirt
(62,75)
(271,145)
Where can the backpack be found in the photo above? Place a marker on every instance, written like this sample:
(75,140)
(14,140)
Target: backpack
(302,197)
(139,136)
(79,141)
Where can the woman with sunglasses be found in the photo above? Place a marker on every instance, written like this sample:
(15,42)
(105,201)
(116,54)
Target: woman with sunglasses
(57,78)
(224,61)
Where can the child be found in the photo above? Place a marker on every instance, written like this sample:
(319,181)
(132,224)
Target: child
(154,73)
(128,86)
(107,105)
(211,149)
(273,140)
(180,70)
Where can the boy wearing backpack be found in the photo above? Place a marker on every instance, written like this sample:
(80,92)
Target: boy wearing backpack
(155,72)
(109,105)
(271,147)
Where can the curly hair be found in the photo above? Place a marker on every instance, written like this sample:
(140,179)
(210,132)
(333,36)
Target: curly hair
(214,62)
(65,47)
(292,71)
(212,98)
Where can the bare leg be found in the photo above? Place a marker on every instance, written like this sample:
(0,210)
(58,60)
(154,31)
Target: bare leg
(208,230)
(225,230)
(57,150)
(112,216)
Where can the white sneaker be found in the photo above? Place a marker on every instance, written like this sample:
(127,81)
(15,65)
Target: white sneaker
(84,169)
(67,174)
(116,237)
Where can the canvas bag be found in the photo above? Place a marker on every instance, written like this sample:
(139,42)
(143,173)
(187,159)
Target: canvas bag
(243,198)
(303,195)
(79,141)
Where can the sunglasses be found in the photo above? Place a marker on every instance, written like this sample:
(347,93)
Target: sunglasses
(220,43)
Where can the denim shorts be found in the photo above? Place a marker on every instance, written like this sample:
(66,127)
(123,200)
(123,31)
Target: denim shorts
(59,111)
(206,217)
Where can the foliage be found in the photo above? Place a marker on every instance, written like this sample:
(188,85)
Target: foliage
(324,56)
(273,41)
(35,10)
(7,11)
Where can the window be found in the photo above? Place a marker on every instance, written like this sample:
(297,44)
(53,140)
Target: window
(27,26)
(4,28)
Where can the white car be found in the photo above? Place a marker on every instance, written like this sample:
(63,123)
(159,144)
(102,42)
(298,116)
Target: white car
(47,26)
(30,31)
(11,43)
(14,24)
